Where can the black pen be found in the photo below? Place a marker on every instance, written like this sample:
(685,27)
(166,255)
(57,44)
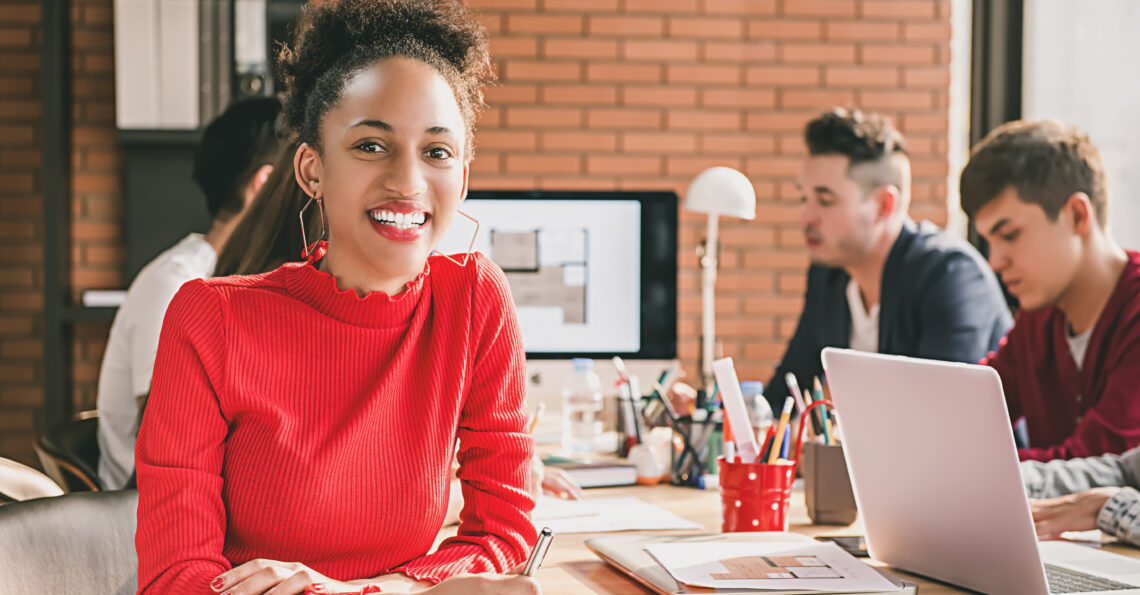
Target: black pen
(539,552)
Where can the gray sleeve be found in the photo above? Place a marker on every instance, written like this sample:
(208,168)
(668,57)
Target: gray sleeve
(1120,516)
(1060,477)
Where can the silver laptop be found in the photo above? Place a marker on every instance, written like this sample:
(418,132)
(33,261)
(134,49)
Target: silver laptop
(935,474)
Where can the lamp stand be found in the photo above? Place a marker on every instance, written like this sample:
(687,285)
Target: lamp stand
(707,254)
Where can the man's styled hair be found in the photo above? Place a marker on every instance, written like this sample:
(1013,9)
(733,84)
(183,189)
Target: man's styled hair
(1045,161)
(233,147)
(863,139)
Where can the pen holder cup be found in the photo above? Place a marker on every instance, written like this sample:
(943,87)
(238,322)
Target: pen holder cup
(827,486)
(754,496)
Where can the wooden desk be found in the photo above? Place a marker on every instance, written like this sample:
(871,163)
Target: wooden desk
(571,568)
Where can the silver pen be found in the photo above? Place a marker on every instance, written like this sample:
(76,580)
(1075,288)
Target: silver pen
(539,552)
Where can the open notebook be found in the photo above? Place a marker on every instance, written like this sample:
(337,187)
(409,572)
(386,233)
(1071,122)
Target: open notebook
(627,553)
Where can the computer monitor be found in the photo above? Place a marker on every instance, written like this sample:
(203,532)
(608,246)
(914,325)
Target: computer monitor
(593,274)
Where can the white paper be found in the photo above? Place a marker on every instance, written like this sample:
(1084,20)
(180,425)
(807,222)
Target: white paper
(738,416)
(1091,537)
(821,567)
(603,515)
(548,508)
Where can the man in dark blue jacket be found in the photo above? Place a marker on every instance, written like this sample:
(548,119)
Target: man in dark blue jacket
(879,281)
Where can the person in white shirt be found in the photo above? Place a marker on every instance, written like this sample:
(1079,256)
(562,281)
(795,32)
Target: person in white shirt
(231,164)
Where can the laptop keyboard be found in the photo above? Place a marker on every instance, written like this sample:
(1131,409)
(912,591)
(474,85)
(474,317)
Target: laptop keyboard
(1063,580)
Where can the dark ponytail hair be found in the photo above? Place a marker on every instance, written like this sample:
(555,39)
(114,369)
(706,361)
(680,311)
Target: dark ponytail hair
(269,234)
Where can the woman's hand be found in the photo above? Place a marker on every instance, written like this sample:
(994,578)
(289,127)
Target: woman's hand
(271,577)
(550,480)
(558,482)
(1075,512)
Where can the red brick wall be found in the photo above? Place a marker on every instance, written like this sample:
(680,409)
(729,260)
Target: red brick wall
(97,244)
(21,235)
(595,94)
(97,252)
(632,94)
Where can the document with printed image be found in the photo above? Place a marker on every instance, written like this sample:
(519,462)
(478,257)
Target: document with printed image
(776,566)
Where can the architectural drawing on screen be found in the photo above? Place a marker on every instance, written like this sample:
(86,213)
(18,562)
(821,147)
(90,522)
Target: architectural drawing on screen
(546,268)
(573,267)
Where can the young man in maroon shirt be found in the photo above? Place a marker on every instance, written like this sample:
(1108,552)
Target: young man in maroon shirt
(1036,192)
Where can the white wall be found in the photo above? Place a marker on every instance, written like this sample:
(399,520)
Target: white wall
(1081,66)
(156,64)
(961,36)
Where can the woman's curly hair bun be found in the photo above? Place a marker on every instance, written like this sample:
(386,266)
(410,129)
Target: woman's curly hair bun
(335,39)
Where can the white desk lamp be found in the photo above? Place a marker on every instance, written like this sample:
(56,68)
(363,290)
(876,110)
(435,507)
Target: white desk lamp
(716,191)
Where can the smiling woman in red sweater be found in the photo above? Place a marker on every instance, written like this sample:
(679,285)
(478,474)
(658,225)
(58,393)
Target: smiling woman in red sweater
(302,422)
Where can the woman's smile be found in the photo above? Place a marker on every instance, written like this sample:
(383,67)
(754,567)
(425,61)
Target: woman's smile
(401,220)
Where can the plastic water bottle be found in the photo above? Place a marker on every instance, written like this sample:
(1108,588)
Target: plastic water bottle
(758,409)
(581,408)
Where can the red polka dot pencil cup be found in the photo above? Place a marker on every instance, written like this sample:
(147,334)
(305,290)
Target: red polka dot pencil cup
(755,496)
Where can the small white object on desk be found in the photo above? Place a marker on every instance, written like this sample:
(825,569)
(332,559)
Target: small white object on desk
(104,298)
(650,470)
(1091,537)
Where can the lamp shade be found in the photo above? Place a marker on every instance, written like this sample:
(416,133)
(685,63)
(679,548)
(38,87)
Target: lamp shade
(722,191)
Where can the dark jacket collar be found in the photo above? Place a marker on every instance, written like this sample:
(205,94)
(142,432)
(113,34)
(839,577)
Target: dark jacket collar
(890,288)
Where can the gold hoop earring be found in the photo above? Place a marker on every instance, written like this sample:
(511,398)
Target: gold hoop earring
(474,236)
(308,248)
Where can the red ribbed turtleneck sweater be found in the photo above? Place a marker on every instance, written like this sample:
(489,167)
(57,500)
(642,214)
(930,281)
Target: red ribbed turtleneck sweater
(293,421)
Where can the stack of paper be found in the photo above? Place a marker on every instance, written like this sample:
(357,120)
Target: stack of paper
(598,515)
(630,553)
(776,566)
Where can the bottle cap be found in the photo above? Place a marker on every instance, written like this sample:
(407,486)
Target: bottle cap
(752,387)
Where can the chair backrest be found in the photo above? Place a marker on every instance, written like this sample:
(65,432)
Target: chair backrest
(69,544)
(69,454)
(20,482)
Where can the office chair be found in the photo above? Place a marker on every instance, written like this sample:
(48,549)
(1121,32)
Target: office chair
(20,482)
(77,543)
(69,454)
